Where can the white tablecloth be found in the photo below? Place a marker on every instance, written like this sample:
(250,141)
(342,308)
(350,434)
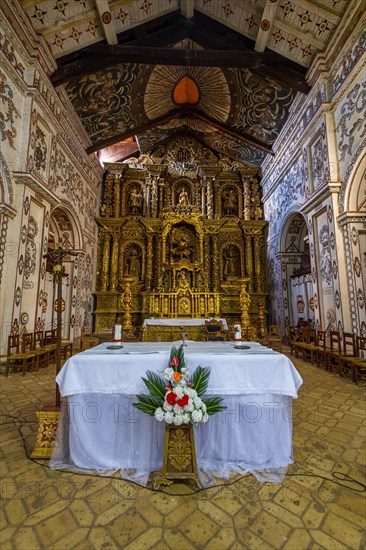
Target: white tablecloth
(100,430)
(181,322)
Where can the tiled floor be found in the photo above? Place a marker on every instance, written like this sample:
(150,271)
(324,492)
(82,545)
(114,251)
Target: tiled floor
(313,508)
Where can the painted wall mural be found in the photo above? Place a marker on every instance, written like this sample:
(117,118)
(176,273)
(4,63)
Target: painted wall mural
(103,100)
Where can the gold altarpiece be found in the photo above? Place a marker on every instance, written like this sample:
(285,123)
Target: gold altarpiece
(181,235)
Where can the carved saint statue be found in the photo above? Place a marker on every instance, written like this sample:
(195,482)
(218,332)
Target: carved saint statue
(135,202)
(181,249)
(133,264)
(183,199)
(230,203)
(183,281)
(230,255)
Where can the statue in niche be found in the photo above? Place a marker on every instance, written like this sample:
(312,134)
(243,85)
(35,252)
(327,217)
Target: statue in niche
(135,201)
(133,263)
(183,199)
(201,281)
(231,255)
(183,280)
(180,248)
(230,207)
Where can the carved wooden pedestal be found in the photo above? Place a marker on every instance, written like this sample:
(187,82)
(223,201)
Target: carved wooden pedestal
(47,425)
(179,462)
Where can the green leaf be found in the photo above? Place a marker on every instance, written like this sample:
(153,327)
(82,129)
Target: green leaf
(155,384)
(214,405)
(148,403)
(200,379)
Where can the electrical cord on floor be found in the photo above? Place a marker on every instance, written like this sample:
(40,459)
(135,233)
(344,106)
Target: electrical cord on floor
(358,487)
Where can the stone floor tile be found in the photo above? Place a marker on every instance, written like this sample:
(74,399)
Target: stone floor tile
(146,540)
(221,540)
(100,538)
(324,541)
(298,540)
(126,528)
(75,539)
(199,529)
(215,513)
(174,539)
(82,513)
(271,529)
(178,515)
(55,527)
(343,530)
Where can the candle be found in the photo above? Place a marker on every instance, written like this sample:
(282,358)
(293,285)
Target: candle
(237,332)
(117,333)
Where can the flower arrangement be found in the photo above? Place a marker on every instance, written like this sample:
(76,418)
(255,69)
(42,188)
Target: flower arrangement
(177,398)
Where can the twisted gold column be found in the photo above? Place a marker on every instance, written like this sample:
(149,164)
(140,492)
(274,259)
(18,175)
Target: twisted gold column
(105,263)
(114,262)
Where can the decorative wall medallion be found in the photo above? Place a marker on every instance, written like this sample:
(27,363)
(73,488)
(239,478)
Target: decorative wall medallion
(300,304)
(21,264)
(354,236)
(40,151)
(17,296)
(311,304)
(40,298)
(15,327)
(337,299)
(360,298)
(24,318)
(45,302)
(26,205)
(357,266)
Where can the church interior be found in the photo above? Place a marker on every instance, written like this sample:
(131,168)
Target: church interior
(185,159)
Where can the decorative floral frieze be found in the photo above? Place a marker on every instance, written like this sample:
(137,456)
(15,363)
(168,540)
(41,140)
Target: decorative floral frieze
(10,114)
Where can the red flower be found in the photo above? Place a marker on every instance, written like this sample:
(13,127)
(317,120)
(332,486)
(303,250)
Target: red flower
(184,401)
(171,397)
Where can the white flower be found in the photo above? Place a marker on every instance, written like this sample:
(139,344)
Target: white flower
(177,409)
(191,392)
(168,373)
(167,407)
(186,418)
(179,392)
(203,407)
(189,407)
(178,419)
(169,417)
(197,416)
(159,414)
(205,418)
(197,402)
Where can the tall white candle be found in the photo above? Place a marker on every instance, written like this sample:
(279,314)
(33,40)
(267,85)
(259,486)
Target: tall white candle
(237,332)
(117,333)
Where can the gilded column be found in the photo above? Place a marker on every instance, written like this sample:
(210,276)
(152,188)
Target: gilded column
(114,260)
(161,197)
(209,200)
(215,255)
(203,196)
(249,260)
(257,261)
(105,264)
(149,260)
(217,199)
(147,198)
(246,200)
(117,196)
(154,197)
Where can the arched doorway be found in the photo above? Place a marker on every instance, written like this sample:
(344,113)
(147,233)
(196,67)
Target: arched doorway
(62,229)
(354,237)
(297,286)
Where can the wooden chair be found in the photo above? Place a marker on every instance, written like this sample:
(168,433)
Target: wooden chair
(349,351)
(41,353)
(214,331)
(333,354)
(306,344)
(50,344)
(20,353)
(357,364)
(87,340)
(274,338)
(321,348)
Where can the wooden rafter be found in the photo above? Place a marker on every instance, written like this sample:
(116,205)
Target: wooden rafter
(105,56)
(185,112)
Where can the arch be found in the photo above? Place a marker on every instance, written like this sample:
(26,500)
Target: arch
(295,225)
(63,221)
(354,201)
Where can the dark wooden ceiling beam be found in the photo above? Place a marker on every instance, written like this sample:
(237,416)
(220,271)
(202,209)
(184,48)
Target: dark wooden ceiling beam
(178,114)
(242,136)
(104,56)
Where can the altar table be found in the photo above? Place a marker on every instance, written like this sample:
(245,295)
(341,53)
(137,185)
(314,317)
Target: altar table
(101,431)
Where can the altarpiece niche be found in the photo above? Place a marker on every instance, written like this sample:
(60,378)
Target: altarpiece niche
(183,229)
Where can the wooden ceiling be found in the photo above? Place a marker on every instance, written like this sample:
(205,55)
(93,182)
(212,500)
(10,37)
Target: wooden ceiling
(139,72)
